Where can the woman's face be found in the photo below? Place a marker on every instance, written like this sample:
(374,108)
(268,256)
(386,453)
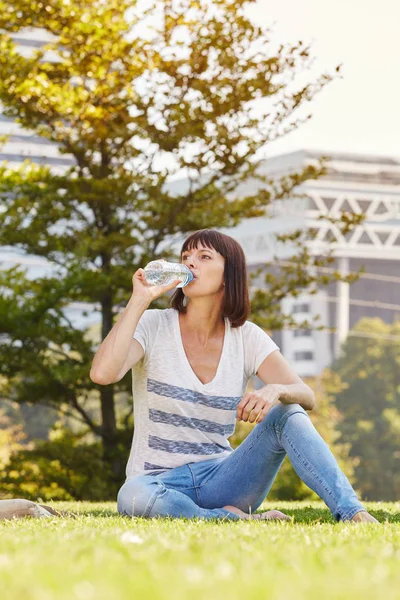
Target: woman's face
(207,266)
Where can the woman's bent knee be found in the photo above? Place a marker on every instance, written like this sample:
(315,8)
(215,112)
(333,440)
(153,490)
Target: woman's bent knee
(279,413)
(135,496)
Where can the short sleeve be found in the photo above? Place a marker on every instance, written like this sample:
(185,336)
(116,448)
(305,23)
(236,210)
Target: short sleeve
(257,346)
(146,329)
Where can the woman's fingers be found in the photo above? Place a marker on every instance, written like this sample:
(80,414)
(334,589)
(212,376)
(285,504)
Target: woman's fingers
(245,406)
(254,410)
(257,413)
(142,288)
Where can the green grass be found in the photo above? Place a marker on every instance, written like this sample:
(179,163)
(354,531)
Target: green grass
(102,556)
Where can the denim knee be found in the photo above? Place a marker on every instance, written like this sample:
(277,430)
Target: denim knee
(279,414)
(137,495)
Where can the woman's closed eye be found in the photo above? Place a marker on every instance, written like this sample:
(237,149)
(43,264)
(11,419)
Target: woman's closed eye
(202,256)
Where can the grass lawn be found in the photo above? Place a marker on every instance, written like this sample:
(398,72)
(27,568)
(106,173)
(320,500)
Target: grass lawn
(100,555)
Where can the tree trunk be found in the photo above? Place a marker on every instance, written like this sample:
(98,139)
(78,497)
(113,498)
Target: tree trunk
(108,419)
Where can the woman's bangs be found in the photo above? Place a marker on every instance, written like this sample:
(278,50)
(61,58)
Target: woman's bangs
(200,238)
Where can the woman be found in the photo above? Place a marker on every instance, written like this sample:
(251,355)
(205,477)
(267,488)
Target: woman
(191,364)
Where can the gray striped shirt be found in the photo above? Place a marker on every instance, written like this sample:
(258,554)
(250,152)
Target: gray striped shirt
(178,419)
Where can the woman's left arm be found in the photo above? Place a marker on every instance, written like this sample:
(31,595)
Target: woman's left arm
(282,385)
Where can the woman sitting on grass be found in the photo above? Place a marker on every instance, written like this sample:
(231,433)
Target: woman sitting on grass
(191,364)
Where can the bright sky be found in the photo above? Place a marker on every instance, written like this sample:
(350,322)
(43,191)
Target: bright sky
(361,111)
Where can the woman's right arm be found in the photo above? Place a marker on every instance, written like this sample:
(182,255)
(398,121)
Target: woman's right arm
(119,352)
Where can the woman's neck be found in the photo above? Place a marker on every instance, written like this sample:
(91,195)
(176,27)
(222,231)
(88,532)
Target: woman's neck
(202,321)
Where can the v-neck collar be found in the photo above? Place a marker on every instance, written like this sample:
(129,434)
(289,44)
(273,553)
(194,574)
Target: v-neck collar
(184,358)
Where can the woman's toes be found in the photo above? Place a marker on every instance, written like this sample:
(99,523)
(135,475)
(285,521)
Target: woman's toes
(274,515)
(364,516)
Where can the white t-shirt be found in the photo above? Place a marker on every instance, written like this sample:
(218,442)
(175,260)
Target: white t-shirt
(179,419)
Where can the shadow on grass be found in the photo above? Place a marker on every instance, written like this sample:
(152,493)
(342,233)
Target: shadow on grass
(97,512)
(306,515)
(309,515)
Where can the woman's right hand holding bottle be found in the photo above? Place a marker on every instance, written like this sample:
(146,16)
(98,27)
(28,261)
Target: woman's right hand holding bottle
(144,290)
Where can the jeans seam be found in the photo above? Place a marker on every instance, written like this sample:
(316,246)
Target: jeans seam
(193,476)
(309,467)
(199,497)
(152,499)
(195,487)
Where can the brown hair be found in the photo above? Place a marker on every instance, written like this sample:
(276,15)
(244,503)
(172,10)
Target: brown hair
(236,302)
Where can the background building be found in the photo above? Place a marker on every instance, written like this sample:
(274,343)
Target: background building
(364,184)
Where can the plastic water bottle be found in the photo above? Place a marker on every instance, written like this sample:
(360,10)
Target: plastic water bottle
(161,272)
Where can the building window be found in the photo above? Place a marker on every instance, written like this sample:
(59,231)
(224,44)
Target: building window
(299,308)
(302,333)
(304,355)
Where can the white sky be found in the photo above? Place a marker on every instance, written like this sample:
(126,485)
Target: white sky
(361,111)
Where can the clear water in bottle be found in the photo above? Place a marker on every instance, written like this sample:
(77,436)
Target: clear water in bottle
(161,272)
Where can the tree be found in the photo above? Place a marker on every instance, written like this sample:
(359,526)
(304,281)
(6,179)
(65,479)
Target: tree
(63,468)
(370,404)
(135,96)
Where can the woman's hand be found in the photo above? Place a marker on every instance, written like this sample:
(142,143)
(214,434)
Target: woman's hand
(255,405)
(144,290)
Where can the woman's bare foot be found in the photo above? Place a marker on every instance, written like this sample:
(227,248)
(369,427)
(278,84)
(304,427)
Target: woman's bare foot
(270,515)
(364,516)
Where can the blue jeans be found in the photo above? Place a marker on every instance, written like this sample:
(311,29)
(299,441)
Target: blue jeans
(244,478)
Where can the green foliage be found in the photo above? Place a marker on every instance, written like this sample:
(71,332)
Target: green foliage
(370,404)
(11,436)
(60,469)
